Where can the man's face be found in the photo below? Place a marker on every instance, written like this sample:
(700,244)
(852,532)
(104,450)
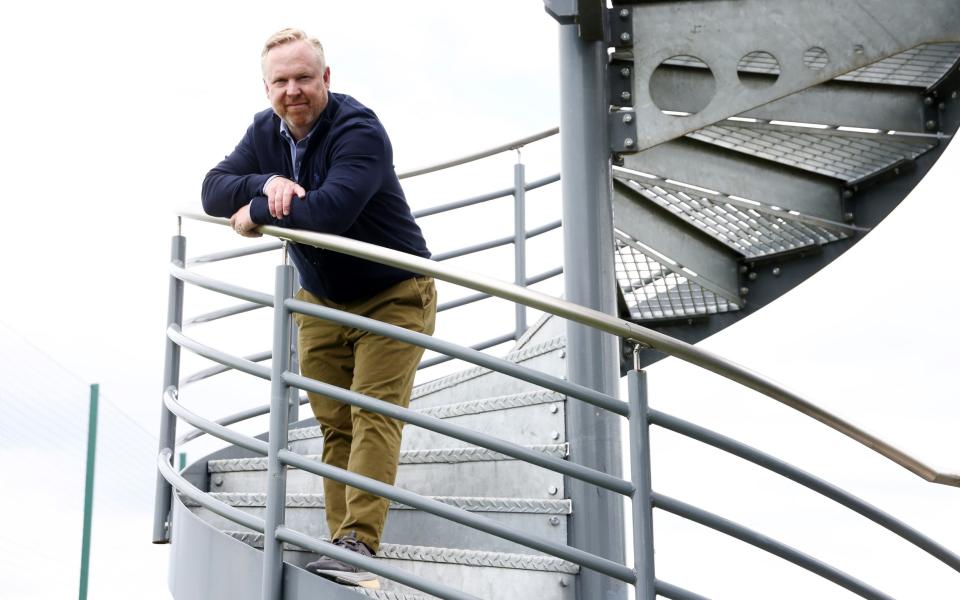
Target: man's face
(296,85)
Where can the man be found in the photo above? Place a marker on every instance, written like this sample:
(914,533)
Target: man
(321,161)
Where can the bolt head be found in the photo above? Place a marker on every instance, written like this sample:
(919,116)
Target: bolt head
(628,118)
(776,271)
(624,37)
(218,480)
(931,125)
(564,582)
(629,142)
(554,409)
(625,95)
(554,435)
(928,100)
(625,72)
(555,521)
(752,276)
(563,354)
(744,291)
(552,490)
(624,13)
(848,217)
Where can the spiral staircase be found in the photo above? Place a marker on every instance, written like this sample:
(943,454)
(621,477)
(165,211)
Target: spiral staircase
(729,187)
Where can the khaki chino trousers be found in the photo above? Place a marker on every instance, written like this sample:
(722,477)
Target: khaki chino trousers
(361,441)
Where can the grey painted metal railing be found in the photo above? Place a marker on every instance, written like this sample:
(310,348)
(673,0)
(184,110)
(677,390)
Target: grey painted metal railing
(284,397)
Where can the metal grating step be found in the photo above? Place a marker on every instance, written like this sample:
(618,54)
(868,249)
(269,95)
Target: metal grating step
(922,66)
(845,155)
(653,289)
(539,506)
(751,228)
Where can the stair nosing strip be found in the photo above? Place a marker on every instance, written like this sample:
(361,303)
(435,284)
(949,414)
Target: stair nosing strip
(540,506)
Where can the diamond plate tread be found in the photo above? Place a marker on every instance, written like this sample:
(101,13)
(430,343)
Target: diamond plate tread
(654,290)
(390,595)
(459,409)
(457,556)
(750,228)
(838,154)
(434,455)
(516,356)
(922,66)
(470,503)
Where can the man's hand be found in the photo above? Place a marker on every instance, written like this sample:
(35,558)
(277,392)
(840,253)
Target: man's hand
(243,224)
(280,192)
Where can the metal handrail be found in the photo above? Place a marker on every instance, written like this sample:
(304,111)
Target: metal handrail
(598,320)
(482,154)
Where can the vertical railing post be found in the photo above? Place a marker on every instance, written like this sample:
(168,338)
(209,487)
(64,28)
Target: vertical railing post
(597,523)
(171,377)
(640,475)
(279,421)
(88,491)
(519,241)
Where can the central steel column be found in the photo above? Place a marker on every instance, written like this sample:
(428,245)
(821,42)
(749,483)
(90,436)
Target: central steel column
(597,522)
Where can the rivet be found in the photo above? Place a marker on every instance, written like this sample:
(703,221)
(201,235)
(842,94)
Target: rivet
(625,72)
(744,291)
(624,13)
(776,271)
(555,435)
(625,95)
(554,409)
(555,520)
(552,490)
(752,276)
(624,37)
(931,124)
(564,582)
(629,142)
(928,100)
(218,480)
(628,118)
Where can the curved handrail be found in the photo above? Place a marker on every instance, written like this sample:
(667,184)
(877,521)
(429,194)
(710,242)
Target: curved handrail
(598,320)
(482,154)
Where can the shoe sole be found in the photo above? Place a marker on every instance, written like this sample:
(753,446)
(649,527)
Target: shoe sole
(363,579)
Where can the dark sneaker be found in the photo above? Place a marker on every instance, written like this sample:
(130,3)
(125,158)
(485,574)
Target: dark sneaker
(342,572)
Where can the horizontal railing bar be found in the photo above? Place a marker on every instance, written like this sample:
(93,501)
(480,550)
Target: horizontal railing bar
(758,540)
(243,415)
(473,249)
(437,360)
(214,285)
(471,436)
(378,567)
(472,356)
(598,320)
(223,312)
(482,154)
(240,364)
(545,275)
(457,515)
(217,369)
(235,253)
(212,428)
(809,481)
(502,193)
(443,306)
(545,228)
(676,593)
(202,498)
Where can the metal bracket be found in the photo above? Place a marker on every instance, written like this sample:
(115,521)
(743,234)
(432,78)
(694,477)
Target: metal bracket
(620,82)
(588,15)
(620,28)
(622,129)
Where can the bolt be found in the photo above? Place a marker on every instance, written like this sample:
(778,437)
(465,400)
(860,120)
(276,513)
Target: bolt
(931,125)
(552,490)
(554,409)
(624,37)
(953,95)
(624,13)
(858,49)
(752,276)
(564,582)
(625,95)
(625,72)
(218,480)
(848,194)
(776,271)
(629,142)
(563,354)
(928,100)
(743,269)
(627,118)
(848,217)
(555,520)
(896,171)
(942,106)
(744,291)
(555,435)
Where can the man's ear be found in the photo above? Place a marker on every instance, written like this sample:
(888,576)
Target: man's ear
(266,88)
(326,76)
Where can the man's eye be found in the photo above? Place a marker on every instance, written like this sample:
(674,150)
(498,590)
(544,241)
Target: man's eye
(304,78)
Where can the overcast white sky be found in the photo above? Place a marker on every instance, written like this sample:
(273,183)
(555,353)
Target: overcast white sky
(114,111)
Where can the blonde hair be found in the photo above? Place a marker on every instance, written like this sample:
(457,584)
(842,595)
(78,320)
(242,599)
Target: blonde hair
(287,36)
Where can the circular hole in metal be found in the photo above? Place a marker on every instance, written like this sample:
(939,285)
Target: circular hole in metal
(682,85)
(816,58)
(759,68)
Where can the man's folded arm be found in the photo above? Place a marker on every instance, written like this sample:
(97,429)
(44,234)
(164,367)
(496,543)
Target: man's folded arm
(232,183)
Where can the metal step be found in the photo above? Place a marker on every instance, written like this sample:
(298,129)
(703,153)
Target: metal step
(545,518)
(465,471)
(501,575)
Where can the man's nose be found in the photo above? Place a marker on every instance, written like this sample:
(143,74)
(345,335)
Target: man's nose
(293,89)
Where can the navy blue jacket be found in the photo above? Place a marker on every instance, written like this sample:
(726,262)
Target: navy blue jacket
(352,190)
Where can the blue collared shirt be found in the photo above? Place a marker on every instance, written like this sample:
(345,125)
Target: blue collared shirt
(297,150)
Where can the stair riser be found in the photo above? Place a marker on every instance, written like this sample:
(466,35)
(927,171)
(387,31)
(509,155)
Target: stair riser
(504,478)
(526,425)
(412,527)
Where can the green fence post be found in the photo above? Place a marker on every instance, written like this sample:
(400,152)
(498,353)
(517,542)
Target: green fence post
(88,493)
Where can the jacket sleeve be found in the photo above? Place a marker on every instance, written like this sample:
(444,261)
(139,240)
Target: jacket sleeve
(359,159)
(235,181)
